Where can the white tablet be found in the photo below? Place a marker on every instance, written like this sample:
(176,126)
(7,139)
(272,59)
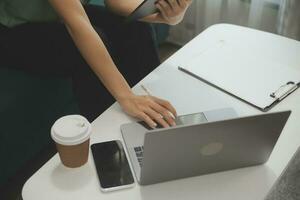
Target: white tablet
(147,7)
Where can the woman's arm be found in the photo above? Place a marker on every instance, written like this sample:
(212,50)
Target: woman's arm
(92,48)
(170,11)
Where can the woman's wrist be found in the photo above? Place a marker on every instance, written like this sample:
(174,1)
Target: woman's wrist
(121,96)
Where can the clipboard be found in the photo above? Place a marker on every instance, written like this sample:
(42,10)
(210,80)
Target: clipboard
(147,7)
(254,79)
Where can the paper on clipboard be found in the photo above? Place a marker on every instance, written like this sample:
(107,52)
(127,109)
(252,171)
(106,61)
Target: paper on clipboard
(187,95)
(259,81)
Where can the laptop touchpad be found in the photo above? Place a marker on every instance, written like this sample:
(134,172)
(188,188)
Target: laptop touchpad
(220,114)
(191,119)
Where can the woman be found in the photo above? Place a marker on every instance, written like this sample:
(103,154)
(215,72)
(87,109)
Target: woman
(87,43)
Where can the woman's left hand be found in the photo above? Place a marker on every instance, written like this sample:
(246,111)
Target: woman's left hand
(173,11)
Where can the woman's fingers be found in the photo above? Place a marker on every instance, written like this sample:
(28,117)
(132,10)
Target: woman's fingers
(169,7)
(183,3)
(164,8)
(167,115)
(157,117)
(173,4)
(147,119)
(166,105)
(174,7)
(172,11)
(161,10)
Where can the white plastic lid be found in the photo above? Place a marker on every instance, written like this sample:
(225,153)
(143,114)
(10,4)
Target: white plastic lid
(71,130)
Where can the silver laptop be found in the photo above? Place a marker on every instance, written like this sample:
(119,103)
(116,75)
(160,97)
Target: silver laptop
(201,143)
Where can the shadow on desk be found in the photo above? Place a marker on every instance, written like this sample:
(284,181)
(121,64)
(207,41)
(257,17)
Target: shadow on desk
(71,179)
(218,183)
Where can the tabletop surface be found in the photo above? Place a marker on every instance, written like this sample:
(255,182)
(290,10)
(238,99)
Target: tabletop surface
(188,95)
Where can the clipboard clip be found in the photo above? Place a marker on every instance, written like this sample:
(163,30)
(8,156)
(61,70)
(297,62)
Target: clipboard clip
(284,90)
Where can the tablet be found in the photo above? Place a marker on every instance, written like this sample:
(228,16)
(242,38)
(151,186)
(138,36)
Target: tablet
(147,7)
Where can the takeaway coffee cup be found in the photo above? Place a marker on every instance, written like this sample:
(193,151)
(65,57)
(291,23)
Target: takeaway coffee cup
(72,137)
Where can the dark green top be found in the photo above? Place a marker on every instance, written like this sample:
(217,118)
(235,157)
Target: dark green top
(15,12)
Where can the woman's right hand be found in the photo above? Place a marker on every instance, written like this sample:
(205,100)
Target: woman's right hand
(150,109)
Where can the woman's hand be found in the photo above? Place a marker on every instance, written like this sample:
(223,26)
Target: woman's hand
(151,110)
(173,11)
(170,11)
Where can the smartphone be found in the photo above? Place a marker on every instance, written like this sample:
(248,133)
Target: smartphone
(112,166)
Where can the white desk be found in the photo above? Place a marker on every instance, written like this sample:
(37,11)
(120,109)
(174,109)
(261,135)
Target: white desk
(53,181)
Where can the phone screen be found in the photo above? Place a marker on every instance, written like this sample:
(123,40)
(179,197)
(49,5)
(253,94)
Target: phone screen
(111,164)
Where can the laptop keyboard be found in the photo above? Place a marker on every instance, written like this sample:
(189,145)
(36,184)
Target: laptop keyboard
(139,152)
